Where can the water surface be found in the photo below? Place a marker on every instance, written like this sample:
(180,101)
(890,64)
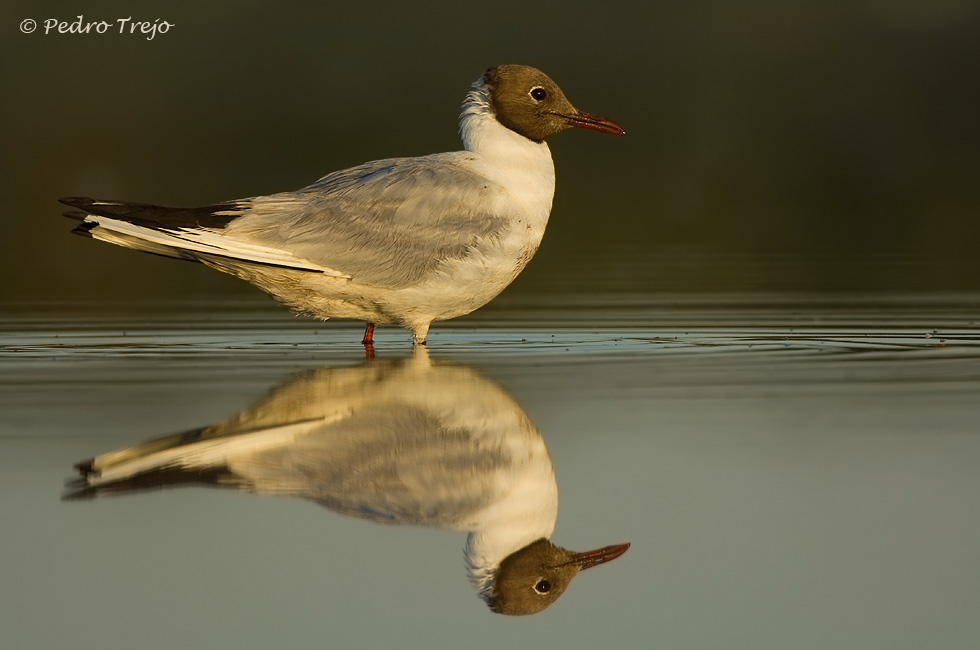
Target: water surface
(791,471)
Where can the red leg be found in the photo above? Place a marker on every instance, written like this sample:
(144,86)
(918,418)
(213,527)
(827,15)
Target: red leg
(368,334)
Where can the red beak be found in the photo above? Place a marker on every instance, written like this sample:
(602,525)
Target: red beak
(594,122)
(599,556)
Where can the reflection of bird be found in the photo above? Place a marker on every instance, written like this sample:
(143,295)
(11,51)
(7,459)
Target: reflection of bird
(405,241)
(411,442)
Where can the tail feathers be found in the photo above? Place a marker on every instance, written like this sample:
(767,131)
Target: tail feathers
(154,242)
(185,233)
(193,457)
(160,463)
(146,227)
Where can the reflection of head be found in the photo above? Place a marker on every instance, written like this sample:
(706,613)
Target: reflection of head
(530,579)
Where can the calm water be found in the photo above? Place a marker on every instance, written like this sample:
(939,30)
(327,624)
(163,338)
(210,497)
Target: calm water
(791,472)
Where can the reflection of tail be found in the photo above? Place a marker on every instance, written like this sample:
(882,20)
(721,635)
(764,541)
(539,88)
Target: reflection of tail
(142,467)
(196,457)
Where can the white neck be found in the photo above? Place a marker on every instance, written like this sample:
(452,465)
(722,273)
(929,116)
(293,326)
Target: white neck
(476,127)
(518,163)
(526,514)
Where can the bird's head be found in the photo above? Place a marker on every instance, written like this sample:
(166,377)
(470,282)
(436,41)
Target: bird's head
(527,101)
(532,578)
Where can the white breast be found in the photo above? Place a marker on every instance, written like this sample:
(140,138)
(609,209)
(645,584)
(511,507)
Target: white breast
(525,171)
(521,165)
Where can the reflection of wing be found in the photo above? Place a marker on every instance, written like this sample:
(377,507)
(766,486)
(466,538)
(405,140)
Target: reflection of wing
(400,463)
(405,442)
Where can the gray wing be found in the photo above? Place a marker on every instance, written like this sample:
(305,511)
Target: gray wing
(386,223)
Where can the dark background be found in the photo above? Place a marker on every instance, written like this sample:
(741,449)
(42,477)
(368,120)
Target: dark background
(772,145)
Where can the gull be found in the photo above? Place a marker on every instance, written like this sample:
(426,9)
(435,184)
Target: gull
(411,442)
(402,241)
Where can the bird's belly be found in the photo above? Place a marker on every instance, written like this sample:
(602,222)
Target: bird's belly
(455,287)
(460,286)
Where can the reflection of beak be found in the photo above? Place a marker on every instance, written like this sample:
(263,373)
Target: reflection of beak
(590,559)
(589,121)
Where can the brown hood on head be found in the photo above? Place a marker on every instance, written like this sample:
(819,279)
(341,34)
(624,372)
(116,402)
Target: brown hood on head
(527,101)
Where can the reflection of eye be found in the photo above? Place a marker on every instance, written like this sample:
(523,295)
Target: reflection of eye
(542,587)
(538,93)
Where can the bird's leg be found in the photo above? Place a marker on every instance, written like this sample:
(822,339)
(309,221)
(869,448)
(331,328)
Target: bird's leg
(368,334)
(419,332)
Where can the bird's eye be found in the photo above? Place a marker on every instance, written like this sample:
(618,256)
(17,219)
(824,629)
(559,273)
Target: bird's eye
(538,93)
(542,587)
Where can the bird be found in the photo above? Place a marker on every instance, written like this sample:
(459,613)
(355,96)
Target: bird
(408,441)
(401,241)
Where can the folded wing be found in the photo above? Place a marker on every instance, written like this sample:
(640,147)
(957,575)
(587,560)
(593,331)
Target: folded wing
(385,223)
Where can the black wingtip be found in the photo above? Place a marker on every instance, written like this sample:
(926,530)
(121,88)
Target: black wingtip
(81,202)
(75,215)
(156,217)
(158,479)
(78,488)
(84,229)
